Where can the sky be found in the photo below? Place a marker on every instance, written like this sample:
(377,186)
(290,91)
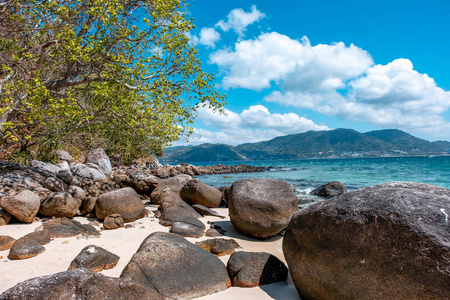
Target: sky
(290,66)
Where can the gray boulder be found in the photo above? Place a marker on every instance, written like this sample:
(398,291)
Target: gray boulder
(125,202)
(24,248)
(84,171)
(23,206)
(329,190)
(176,268)
(64,156)
(45,166)
(79,284)
(60,205)
(260,207)
(197,192)
(250,269)
(98,156)
(389,241)
(173,184)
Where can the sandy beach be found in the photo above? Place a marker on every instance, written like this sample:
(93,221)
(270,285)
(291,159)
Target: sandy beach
(124,242)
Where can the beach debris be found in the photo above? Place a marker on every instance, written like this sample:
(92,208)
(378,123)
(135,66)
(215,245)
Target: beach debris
(6,242)
(219,247)
(250,269)
(113,221)
(197,192)
(261,207)
(176,268)
(124,201)
(95,259)
(330,190)
(23,206)
(79,284)
(205,211)
(386,240)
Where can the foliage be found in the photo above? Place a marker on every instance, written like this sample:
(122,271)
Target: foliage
(120,74)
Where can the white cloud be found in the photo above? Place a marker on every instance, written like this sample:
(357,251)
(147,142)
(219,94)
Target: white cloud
(238,20)
(208,37)
(388,96)
(252,125)
(276,58)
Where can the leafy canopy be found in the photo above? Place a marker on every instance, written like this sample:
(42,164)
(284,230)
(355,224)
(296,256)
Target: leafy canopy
(114,73)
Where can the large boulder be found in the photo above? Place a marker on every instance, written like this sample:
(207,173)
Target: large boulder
(250,269)
(79,284)
(84,171)
(25,247)
(176,268)
(260,207)
(389,241)
(98,156)
(23,206)
(95,259)
(329,190)
(173,184)
(125,202)
(60,205)
(197,192)
(45,166)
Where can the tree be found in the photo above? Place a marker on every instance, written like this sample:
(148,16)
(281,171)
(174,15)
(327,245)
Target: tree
(114,73)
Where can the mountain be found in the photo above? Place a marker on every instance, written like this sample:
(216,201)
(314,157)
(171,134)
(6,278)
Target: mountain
(313,144)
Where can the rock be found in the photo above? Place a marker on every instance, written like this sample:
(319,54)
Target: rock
(212,233)
(64,156)
(188,227)
(54,184)
(174,214)
(76,192)
(250,269)
(261,207)
(95,259)
(125,202)
(5,217)
(141,182)
(6,242)
(329,190)
(60,205)
(65,175)
(197,192)
(174,184)
(219,247)
(389,241)
(45,166)
(113,221)
(40,236)
(176,268)
(62,228)
(98,156)
(23,206)
(79,284)
(24,248)
(204,211)
(88,205)
(84,171)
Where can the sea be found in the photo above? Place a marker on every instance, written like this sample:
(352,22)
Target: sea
(354,173)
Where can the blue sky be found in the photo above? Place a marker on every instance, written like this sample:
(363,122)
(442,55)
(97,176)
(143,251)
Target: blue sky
(293,66)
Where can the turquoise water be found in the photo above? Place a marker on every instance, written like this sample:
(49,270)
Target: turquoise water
(307,174)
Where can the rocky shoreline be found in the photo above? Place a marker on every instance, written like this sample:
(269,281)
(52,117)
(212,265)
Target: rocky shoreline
(156,232)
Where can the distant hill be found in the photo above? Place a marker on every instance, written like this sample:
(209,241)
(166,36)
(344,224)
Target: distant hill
(313,144)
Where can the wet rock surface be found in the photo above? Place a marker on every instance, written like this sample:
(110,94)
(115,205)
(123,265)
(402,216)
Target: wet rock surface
(389,241)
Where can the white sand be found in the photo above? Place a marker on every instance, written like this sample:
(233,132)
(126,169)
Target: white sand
(124,242)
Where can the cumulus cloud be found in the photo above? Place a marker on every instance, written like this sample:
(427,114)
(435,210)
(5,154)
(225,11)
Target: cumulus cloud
(388,96)
(273,57)
(208,37)
(252,125)
(238,20)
